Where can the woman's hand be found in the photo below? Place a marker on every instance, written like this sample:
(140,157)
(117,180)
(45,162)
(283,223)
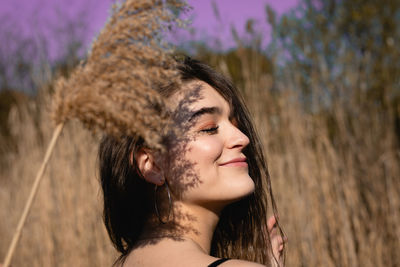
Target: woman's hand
(277,241)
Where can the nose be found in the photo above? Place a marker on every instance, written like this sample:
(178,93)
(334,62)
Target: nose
(237,139)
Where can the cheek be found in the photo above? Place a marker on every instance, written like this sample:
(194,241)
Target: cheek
(205,151)
(196,167)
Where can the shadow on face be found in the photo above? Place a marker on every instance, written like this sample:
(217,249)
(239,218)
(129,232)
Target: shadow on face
(179,173)
(191,163)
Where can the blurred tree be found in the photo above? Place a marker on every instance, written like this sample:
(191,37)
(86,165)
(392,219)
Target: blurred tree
(341,50)
(246,62)
(342,57)
(27,69)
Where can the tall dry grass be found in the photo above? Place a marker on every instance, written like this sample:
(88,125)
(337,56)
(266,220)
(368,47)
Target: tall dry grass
(335,169)
(112,89)
(338,197)
(64,227)
(335,174)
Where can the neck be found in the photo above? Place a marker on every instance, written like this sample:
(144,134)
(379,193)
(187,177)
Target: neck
(201,221)
(188,223)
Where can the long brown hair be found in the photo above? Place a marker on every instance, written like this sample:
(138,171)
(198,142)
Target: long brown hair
(128,200)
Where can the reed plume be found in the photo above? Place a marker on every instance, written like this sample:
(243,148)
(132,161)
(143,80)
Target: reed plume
(113,89)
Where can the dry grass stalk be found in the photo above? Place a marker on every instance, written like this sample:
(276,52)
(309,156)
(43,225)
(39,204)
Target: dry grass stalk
(32,195)
(113,89)
(339,207)
(338,199)
(64,227)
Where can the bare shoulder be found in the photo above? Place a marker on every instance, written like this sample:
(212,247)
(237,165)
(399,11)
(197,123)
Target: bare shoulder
(241,263)
(167,253)
(177,253)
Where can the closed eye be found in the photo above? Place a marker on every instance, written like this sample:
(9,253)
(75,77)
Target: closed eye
(210,130)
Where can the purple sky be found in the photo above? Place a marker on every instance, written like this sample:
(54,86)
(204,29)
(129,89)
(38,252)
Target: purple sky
(55,18)
(233,13)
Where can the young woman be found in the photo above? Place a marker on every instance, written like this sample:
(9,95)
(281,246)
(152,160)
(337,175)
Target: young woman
(204,201)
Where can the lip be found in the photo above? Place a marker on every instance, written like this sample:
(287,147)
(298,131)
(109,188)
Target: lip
(237,162)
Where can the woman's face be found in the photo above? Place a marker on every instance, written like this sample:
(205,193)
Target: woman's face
(207,164)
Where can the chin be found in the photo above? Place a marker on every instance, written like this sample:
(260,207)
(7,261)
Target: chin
(219,195)
(249,188)
(241,189)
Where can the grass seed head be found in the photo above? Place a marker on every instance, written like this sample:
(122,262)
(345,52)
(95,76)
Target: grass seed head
(114,89)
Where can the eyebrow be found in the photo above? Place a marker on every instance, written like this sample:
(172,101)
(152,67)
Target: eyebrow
(205,110)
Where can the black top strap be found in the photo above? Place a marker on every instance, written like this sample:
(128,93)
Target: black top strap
(218,262)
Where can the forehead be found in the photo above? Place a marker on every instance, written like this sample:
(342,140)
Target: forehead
(197,94)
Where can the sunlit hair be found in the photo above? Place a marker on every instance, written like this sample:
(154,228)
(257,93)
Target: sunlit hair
(128,199)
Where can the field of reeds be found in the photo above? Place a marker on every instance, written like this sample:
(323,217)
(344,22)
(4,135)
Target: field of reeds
(334,160)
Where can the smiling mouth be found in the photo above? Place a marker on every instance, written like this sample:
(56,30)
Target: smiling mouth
(239,162)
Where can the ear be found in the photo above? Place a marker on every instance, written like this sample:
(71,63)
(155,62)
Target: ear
(147,166)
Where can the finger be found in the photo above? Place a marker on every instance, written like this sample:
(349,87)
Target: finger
(271,223)
(273,232)
(275,250)
(276,238)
